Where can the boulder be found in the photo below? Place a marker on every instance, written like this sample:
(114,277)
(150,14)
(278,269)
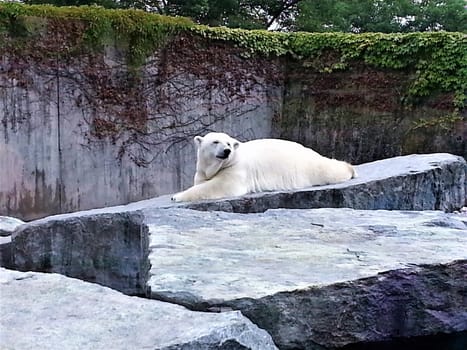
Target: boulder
(5,252)
(414,182)
(312,278)
(316,278)
(50,311)
(109,249)
(8,225)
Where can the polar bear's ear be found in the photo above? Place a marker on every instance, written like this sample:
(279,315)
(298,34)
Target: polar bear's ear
(236,144)
(198,140)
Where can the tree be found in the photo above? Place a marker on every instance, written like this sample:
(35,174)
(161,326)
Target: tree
(381,16)
(305,15)
(248,14)
(449,15)
(232,13)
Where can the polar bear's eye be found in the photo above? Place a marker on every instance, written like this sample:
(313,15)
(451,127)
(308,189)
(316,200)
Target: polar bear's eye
(215,142)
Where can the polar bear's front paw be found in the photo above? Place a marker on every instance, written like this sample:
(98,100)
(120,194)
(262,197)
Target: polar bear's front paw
(177,197)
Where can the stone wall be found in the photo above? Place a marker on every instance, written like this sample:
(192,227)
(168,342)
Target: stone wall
(82,130)
(360,115)
(83,134)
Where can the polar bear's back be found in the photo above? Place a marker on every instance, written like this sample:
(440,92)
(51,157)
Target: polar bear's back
(274,164)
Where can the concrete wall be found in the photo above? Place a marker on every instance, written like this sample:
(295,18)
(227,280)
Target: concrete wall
(29,158)
(360,115)
(85,131)
(56,154)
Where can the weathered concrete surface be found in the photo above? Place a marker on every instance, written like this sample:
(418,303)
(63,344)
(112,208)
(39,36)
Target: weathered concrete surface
(5,252)
(50,311)
(322,277)
(67,135)
(361,115)
(109,249)
(414,182)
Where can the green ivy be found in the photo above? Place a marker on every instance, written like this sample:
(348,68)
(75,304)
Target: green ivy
(254,41)
(140,32)
(437,61)
(444,123)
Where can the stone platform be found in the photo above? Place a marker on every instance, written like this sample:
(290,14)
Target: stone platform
(320,277)
(312,278)
(53,312)
(414,182)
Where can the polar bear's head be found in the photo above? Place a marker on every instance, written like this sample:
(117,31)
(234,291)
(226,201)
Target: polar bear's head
(215,151)
(216,147)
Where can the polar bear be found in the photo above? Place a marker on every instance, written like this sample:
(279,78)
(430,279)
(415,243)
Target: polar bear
(227,167)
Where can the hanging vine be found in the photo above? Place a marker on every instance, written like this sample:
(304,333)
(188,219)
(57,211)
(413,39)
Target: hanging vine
(144,80)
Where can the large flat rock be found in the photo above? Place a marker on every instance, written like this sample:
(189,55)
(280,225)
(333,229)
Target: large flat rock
(107,248)
(320,277)
(7,226)
(50,311)
(312,278)
(435,181)
(414,182)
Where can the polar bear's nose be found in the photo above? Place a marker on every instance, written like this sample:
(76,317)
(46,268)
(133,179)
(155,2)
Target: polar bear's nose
(224,154)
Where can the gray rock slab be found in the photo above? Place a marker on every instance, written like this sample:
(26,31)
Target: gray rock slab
(8,225)
(50,311)
(414,182)
(435,181)
(109,249)
(5,251)
(319,277)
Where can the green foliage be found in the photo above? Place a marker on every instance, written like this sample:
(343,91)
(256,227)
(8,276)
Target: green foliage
(142,33)
(390,16)
(449,15)
(435,62)
(357,16)
(438,60)
(254,41)
(104,3)
(246,14)
(443,123)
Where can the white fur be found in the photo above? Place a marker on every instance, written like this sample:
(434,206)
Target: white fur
(256,166)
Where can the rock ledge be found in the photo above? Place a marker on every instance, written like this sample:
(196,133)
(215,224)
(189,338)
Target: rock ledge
(316,278)
(50,311)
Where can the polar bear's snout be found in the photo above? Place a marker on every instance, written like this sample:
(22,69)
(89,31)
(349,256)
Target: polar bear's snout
(224,154)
